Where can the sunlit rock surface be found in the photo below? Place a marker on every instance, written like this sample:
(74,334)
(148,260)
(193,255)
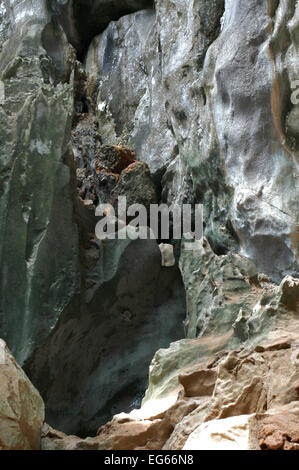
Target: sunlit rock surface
(21,408)
(225,434)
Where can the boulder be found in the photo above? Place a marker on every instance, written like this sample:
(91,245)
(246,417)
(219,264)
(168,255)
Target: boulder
(279,432)
(21,406)
(51,439)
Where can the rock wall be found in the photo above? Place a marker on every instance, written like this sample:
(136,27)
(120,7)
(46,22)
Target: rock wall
(95,363)
(210,111)
(36,205)
(164,101)
(63,291)
(82,20)
(261,155)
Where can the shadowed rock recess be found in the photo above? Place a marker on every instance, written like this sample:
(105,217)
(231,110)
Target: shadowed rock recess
(163,101)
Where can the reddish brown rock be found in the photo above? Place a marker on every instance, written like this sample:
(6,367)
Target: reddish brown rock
(114,158)
(136,184)
(279,432)
(130,434)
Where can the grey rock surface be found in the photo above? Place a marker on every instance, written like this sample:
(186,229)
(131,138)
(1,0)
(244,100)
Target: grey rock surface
(95,363)
(83,19)
(38,237)
(5,25)
(156,105)
(250,69)
(209,109)
(52,272)
(201,92)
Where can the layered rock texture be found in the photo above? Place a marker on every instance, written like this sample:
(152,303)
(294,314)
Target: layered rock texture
(210,107)
(22,410)
(68,301)
(217,391)
(164,101)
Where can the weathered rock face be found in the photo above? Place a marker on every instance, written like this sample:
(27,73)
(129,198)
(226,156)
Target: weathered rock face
(221,291)
(4,23)
(221,123)
(232,376)
(35,197)
(96,362)
(279,432)
(271,319)
(56,280)
(114,173)
(249,70)
(206,394)
(83,19)
(248,432)
(188,102)
(21,407)
(156,105)
(225,434)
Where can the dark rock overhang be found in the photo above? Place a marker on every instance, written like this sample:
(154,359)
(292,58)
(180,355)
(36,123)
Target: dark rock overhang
(82,20)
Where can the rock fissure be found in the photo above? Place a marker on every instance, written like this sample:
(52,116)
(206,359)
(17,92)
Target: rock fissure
(161,102)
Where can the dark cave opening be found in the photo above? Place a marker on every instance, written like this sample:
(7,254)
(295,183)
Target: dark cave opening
(82,20)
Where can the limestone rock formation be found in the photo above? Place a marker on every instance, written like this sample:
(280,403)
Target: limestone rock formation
(83,19)
(247,432)
(35,198)
(279,432)
(97,361)
(113,172)
(225,434)
(216,122)
(164,101)
(57,440)
(21,407)
(52,267)
(272,324)
(205,394)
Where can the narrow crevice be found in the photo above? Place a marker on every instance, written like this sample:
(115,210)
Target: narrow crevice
(104,341)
